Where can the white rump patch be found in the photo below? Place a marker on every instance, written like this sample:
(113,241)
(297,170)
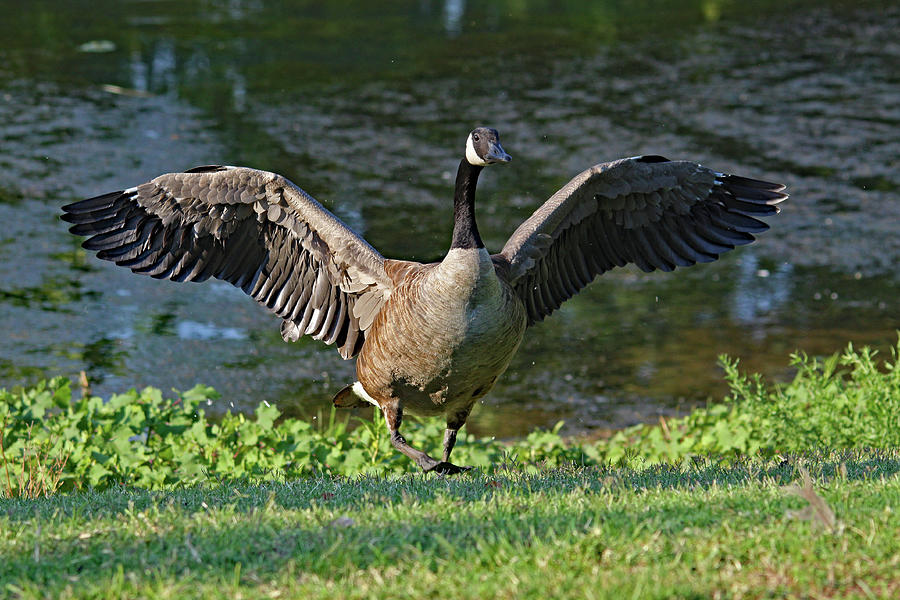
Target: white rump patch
(362,394)
(472,156)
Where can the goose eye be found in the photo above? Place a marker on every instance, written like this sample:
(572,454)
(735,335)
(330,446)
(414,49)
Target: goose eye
(475,137)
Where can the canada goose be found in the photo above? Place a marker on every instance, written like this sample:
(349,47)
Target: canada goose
(430,339)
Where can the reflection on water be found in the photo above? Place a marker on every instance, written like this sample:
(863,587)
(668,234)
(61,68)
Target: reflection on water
(192,330)
(759,293)
(453,15)
(366,107)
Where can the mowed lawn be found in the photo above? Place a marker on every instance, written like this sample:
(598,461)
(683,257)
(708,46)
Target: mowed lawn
(746,530)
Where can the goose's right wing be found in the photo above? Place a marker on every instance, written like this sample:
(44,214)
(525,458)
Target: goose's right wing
(647,210)
(254,229)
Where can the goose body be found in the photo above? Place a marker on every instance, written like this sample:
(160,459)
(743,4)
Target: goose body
(434,332)
(430,339)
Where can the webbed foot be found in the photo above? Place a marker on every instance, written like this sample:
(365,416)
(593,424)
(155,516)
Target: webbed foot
(446,468)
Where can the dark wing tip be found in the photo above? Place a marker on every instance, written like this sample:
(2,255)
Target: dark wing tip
(89,205)
(753,196)
(755,184)
(651,158)
(207,169)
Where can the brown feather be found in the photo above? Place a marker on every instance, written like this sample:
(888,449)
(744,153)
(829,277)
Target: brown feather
(251,228)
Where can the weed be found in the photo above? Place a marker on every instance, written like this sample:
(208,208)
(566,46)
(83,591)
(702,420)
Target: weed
(817,510)
(40,469)
(847,400)
(142,439)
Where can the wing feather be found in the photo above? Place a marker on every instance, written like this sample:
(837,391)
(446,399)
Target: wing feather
(254,229)
(646,211)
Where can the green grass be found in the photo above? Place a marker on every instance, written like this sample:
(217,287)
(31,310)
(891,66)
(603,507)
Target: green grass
(705,530)
(780,491)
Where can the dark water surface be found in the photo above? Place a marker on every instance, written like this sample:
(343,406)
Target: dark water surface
(367,108)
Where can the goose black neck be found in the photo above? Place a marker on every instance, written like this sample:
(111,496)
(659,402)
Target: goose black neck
(465,230)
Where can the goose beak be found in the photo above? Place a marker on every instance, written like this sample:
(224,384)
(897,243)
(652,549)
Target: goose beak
(496,154)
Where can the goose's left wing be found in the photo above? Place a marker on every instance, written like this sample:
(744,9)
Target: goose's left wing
(253,229)
(647,210)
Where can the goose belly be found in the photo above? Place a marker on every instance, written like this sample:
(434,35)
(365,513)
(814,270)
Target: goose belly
(442,353)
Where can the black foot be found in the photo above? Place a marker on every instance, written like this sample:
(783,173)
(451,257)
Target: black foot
(446,468)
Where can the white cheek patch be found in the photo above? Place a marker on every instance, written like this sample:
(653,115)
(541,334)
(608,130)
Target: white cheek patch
(471,155)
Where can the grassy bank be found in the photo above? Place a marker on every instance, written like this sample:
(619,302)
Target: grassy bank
(779,491)
(752,529)
(50,441)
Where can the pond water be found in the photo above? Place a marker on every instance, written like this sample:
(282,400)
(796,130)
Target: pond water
(366,107)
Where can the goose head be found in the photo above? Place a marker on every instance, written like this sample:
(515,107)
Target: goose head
(483,148)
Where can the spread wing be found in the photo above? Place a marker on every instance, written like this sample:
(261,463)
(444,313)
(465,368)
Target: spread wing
(655,213)
(254,229)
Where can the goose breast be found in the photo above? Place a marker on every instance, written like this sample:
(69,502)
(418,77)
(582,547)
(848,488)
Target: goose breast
(444,336)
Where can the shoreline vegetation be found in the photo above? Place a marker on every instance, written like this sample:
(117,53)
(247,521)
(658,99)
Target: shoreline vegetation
(787,490)
(52,442)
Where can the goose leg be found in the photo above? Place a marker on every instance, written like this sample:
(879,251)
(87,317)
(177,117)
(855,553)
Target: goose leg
(453,426)
(449,441)
(393,414)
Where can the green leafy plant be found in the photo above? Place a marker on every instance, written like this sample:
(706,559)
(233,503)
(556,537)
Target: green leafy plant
(54,442)
(847,400)
(146,440)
